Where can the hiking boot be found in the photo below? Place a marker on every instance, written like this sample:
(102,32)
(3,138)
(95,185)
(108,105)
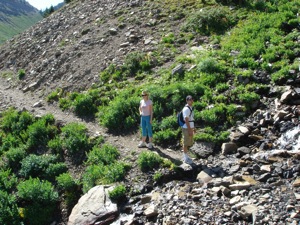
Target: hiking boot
(150,145)
(142,144)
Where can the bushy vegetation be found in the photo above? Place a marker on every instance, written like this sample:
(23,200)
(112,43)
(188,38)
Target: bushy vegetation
(8,209)
(148,161)
(222,78)
(253,37)
(25,169)
(103,167)
(118,194)
(35,194)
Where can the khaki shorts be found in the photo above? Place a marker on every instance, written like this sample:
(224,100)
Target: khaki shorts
(187,139)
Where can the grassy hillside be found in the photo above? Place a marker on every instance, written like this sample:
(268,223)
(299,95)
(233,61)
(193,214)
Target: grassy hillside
(16,24)
(15,17)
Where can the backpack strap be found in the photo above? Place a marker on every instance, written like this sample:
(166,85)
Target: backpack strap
(190,110)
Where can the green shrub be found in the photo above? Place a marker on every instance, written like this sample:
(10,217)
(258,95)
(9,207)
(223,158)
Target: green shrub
(54,169)
(211,79)
(55,95)
(218,116)
(167,137)
(157,176)
(9,141)
(105,155)
(74,138)
(56,146)
(168,39)
(114,172)
(118,194)
(35,194)
(105,75)
(16,122)
(66,182)
(103,174)
(8,180)
(70,187)
(40,132)
(121,115)
(91,177)
(149,161)
(44,167)
(13,157)
(9,212)
(136,62)
(84,105)
(248,98)
(64,103)
(210,65)
(210,20)
(21,74)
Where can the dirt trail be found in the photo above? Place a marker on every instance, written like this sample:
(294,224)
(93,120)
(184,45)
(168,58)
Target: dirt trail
(14,97)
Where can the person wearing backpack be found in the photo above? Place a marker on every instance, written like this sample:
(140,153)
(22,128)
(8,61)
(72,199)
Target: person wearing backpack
(188,128)
(146,112)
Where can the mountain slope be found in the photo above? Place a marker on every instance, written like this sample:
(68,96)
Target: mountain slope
(108,51)
(15,17)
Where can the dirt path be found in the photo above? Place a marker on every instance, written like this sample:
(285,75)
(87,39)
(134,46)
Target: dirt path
(13,97)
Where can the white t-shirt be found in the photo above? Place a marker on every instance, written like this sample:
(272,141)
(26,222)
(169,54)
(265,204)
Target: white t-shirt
(186,112)
(145,106)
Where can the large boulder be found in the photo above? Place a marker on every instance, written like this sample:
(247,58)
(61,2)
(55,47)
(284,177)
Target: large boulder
(94,207)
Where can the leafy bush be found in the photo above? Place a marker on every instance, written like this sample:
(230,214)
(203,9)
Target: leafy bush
(105,155)
(55,95)
(118,194)
(121,115)
(103,167)
(157,176)
(13,157)
(135,62)
(9,141)
(74,138)
(103,174)
(212,136)
(15,122)
(249,98)
(56,146)
(84,105)
(149,161)
(70,187)
(210,65)
(9,212)
(221,115)
(35,194)
(8,180)
(167,137)
(168,39)
(210,20)
(108,72)
(40,132)
(64,103)
(44,166)
(21,74)
(66,182)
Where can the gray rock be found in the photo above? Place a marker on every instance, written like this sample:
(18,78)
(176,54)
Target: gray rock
(94,206)
(229,148)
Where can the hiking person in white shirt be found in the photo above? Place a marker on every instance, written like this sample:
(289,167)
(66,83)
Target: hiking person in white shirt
(188,128)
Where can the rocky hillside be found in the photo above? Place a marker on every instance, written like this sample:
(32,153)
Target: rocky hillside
(15,17)
(253,178)
(71,47)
